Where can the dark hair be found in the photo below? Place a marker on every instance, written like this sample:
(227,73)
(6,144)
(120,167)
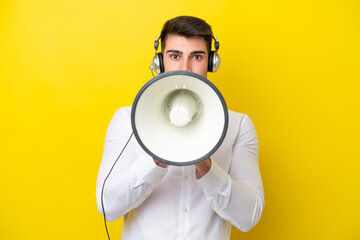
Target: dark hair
(187,26)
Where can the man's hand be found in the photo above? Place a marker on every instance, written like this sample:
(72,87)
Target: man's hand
(160,164)
(202,168)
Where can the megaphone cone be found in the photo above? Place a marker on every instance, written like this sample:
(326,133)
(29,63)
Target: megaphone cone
(179,118)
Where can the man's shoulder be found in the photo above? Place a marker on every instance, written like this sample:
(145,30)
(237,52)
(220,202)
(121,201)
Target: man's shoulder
(123,111)
(236,115)
(126,109)
(121,116)
(240,120)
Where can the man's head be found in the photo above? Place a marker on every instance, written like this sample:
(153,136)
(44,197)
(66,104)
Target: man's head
(186,44)
(186,26)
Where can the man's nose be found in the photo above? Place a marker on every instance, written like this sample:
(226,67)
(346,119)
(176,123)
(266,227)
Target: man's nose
(186,65)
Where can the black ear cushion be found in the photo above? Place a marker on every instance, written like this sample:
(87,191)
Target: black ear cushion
(161,61)
(210,63)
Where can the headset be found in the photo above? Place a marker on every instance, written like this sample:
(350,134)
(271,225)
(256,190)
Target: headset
(157,63)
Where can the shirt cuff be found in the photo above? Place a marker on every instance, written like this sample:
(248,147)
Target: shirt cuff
(214,180)
(147,171)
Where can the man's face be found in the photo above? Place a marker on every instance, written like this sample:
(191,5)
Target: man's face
(187,54)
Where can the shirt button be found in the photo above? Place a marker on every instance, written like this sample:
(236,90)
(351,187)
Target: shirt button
(186,177)
(185,209)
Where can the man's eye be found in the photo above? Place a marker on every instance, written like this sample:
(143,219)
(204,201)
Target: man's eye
(197,57)
(174,56)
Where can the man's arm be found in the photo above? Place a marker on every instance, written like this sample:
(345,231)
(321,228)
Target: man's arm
(237,196)
(133,177)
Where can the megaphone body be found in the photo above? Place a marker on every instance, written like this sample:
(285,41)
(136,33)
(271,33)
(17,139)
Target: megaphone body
(179,118)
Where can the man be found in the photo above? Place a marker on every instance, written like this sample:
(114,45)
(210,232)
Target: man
(200,201)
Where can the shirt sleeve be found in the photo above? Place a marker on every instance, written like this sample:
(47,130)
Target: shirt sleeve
(237,196)
(134,175)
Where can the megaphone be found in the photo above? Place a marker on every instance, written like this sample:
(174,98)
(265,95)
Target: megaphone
(179,118)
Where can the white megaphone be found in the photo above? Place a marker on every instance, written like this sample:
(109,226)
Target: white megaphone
(179,118)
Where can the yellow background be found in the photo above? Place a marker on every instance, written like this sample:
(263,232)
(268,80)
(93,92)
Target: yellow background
(66,66)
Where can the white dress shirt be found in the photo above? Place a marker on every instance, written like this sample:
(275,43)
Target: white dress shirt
(170,203)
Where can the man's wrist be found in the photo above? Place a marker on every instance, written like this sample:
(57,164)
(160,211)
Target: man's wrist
(202,168)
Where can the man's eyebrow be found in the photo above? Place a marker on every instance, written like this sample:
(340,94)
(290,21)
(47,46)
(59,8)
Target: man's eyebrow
(197,52)
(174,51)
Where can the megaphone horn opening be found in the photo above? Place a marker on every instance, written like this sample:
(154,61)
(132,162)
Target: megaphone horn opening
(183,106)
(192,97)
